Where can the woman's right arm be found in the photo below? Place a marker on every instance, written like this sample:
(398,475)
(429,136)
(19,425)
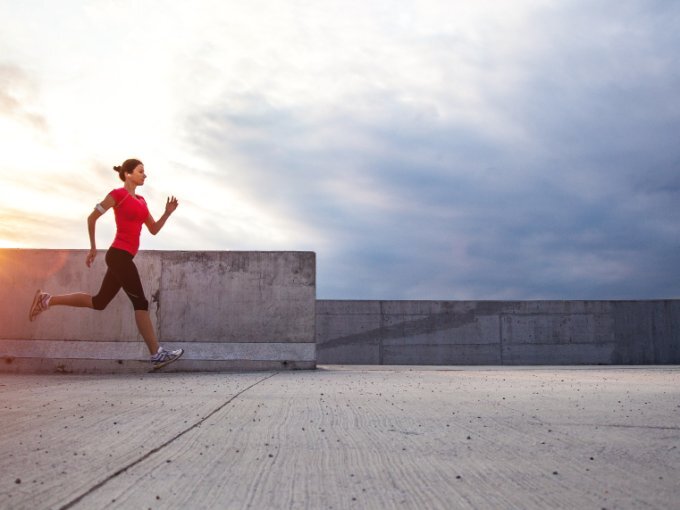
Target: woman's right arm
(99,209)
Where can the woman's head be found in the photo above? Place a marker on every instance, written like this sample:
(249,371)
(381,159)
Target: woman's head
(128,167)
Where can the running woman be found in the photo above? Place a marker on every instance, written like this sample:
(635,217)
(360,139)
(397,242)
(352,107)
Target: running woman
(131,212)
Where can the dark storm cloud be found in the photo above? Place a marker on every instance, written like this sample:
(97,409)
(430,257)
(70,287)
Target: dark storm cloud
(584,204)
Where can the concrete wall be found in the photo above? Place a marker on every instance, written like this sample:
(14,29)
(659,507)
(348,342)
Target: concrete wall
(228,310)
(257,310)
(498,333)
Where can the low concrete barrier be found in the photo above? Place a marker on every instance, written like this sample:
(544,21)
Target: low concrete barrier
(498,333)
(228,310)
(257,311)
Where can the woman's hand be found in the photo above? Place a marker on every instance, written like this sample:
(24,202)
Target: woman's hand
(156,226)
(90,257)
(171,205)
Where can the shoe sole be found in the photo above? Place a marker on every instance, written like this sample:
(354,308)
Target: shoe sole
(32,312)
(165,363)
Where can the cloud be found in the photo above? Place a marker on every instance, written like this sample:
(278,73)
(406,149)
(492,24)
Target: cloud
(432,150)
(18,94)
(570,191)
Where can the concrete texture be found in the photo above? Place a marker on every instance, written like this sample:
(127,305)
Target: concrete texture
(344,437)
(498,332)
(229,310)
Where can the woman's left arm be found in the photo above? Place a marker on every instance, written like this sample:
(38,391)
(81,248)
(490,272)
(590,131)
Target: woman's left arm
(155,226)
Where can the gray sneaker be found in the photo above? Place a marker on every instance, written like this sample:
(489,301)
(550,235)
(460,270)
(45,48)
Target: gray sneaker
(164,357)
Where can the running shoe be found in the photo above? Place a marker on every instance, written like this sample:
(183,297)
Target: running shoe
(39,305)
(164,357)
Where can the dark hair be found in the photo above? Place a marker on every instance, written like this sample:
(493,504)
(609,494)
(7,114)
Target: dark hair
(127,167)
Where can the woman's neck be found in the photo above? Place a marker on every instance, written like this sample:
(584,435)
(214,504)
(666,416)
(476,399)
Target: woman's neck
(130,187)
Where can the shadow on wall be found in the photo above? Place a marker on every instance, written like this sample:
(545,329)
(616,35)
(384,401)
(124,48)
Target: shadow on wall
(498,332)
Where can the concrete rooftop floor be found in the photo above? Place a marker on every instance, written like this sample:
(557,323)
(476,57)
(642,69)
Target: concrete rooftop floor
(344,437)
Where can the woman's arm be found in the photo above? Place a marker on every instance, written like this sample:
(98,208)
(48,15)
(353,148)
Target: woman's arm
(155,226)
(99,209)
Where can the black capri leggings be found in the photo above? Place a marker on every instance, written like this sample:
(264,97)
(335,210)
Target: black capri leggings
(121,272)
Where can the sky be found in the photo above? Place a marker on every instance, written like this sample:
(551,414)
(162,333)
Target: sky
(423,149)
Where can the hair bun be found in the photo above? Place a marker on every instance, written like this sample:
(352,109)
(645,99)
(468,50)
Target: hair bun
(117,168)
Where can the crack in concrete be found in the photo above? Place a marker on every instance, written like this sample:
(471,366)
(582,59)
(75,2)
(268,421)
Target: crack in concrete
(148,454)
(616,425)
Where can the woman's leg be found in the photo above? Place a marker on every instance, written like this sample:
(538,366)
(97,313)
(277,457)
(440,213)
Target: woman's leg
(77,299)
(43,300)
(128,276)
(108,290)
(145,327)
(121,272)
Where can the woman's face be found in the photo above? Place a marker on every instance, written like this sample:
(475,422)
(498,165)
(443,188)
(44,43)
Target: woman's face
(137,176)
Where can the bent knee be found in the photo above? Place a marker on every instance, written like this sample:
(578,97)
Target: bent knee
(99,304)
(140,304)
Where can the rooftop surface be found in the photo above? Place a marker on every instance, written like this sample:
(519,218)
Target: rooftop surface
(344,437)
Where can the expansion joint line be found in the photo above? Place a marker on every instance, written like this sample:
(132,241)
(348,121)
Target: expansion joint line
(154,451)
